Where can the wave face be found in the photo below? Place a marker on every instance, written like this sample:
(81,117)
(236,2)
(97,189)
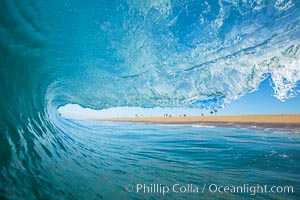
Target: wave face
(126,53)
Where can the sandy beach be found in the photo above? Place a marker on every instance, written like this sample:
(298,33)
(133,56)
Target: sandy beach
(290,121)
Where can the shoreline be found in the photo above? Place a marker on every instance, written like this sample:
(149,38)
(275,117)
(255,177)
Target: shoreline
(282,121)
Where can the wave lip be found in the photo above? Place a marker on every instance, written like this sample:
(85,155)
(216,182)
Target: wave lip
(157,54)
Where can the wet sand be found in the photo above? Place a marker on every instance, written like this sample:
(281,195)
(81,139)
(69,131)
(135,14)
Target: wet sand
(286,121)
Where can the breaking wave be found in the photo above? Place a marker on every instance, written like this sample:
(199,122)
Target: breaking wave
(105,54)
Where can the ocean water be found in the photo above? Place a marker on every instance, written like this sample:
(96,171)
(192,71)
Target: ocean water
(110,160)
(169,53)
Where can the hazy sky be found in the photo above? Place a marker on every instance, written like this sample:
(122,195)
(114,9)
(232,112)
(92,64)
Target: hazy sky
(259,102)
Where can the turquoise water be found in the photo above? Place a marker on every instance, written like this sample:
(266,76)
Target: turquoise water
(168,155)
(101,54)
(102,158)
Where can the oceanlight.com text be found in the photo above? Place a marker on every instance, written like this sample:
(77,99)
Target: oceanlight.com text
(157,188)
